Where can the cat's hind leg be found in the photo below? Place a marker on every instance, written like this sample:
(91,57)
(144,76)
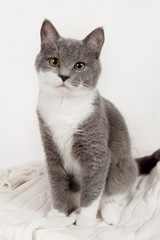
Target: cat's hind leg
(111,207)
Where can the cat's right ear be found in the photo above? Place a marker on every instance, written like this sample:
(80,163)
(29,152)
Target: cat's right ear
(49,33)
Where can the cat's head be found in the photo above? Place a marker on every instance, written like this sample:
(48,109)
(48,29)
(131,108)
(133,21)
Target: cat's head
(67,66)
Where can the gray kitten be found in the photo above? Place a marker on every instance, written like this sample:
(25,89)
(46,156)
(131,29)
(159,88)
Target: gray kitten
(85,138)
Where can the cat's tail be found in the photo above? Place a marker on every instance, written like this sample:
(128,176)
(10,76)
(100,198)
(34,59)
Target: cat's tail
(145,164)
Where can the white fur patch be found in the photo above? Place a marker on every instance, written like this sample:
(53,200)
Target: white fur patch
(54,212)
(63,110)
(111,213)
(85,221)
(119,198)
(91,210)
(87,215)
(112,207)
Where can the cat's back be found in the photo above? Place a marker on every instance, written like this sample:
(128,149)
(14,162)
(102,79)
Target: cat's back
(114,116)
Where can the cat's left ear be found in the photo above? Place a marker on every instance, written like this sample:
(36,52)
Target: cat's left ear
(49,33)
(95,41)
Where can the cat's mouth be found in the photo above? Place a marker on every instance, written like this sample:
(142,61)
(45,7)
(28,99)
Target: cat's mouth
(63,86)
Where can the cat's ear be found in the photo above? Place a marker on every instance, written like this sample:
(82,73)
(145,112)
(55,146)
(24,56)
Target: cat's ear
(95,41)
(49,33)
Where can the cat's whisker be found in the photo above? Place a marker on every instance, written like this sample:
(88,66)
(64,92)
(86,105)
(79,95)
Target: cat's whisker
(85,85)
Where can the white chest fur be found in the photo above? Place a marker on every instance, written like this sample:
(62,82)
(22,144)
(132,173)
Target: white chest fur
(63,115)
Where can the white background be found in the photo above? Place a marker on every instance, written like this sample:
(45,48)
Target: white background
(130,61)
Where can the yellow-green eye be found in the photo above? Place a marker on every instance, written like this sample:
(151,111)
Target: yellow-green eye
(54,62)
(79,66)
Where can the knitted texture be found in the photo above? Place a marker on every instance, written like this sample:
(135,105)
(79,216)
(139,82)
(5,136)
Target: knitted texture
(25,201)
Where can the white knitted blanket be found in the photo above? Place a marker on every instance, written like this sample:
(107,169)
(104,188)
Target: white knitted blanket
(25,200)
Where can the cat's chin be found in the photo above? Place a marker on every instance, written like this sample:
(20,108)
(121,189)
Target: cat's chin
(58,91)
(63,91)
(72,92)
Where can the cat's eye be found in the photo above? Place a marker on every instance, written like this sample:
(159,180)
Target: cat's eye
(79,66)
(54,62)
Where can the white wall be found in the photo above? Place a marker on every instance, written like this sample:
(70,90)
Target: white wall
(130,60)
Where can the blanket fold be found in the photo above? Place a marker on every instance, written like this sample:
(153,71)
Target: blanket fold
(25,201)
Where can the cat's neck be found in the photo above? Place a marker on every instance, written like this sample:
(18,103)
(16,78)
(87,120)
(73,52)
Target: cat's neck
(65,112)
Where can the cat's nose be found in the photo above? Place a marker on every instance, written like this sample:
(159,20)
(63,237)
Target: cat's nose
(63,77)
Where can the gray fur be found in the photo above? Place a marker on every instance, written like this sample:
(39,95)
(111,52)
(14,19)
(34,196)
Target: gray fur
(102,143)
(69,52)
(60,180)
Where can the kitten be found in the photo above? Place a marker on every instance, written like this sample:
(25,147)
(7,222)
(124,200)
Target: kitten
(85,138)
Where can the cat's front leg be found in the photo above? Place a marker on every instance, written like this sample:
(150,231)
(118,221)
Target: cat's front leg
(58,183)
(87,215)
(93,180)
(57,175)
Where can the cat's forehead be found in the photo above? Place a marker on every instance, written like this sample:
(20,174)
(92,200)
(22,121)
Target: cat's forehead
(72,49)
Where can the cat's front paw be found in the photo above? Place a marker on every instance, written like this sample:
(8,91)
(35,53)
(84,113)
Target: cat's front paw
(55,212)
(55,218)
(111,213)
(85,221)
